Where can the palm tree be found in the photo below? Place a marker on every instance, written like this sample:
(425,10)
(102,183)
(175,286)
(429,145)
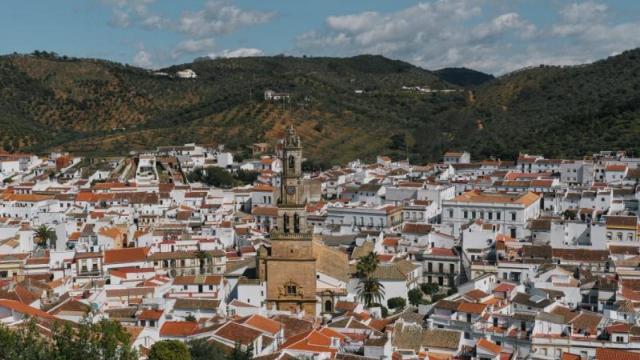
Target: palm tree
(370,291)
(367,264)
(43,235)
(202,257)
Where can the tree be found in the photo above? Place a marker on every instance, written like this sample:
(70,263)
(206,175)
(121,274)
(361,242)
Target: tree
(23,342)
(190,318)
(569,214)
(415,297)
(169,350)
(212,176)
(367,265)
(429,288)
(201,349)
(44,234)
(105,340)
(396,302)
(203,257)
(369,291)
(246,176)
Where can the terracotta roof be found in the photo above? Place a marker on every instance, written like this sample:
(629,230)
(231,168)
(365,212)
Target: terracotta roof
(237,333)
(411,228)
(621,222)
(150,314)
(198,279)
(476,196)
(263,324)
(570,356)
(611,354)
(199,304)
(126,255)
(24,309)
(264,211)
(178,328)
(436,251)
(476,294)
(488,345)
(471,308)
(616,167)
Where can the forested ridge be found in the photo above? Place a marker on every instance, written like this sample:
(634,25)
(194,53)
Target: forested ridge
(344,108)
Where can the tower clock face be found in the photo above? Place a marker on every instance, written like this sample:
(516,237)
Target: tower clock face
(291,190)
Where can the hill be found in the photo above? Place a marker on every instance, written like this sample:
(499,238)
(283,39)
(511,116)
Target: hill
(463,76)
(99,107)
(343,107)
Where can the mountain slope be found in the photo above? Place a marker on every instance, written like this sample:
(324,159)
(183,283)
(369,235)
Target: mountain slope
(344,107)
(463,76)
(103,107)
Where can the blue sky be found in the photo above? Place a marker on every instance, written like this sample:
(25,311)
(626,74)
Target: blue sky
(495,36)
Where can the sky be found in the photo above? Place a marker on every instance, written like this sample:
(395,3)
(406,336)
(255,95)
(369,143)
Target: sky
(494,36)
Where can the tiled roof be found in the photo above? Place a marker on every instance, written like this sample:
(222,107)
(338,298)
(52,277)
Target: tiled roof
(476,196)
(198,304)
(471,308)
(612,354)
(411,228)
(126,255)
(489,346)
(178,328)
(235,332)
(198,280)
(24,309)
(150,314)
(263,324)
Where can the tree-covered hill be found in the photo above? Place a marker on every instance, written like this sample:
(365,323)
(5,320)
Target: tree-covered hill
(463,76)
(343,107)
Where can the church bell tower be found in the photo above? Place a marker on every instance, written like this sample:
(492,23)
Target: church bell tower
(291,204)
(290,268)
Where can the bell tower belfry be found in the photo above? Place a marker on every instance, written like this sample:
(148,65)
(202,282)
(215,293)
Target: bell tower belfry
(291,203)
(290,267)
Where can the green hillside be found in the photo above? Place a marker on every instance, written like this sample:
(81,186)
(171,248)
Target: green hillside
(343,107)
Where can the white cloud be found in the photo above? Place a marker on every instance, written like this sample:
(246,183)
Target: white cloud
(474,33)
(194,46)
(143,59)
(126,12)
(220,17)
(240,52)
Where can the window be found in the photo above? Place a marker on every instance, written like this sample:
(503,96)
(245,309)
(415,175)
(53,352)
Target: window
(619,236)
(450,213)
(609,235)
(513,216)
(473,214)
(619,339)
(497,216)
(292,289)
(328,306)
(490,214)
(465,214)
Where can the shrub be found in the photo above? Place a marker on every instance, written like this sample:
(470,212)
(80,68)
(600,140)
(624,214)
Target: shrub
(396,302)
